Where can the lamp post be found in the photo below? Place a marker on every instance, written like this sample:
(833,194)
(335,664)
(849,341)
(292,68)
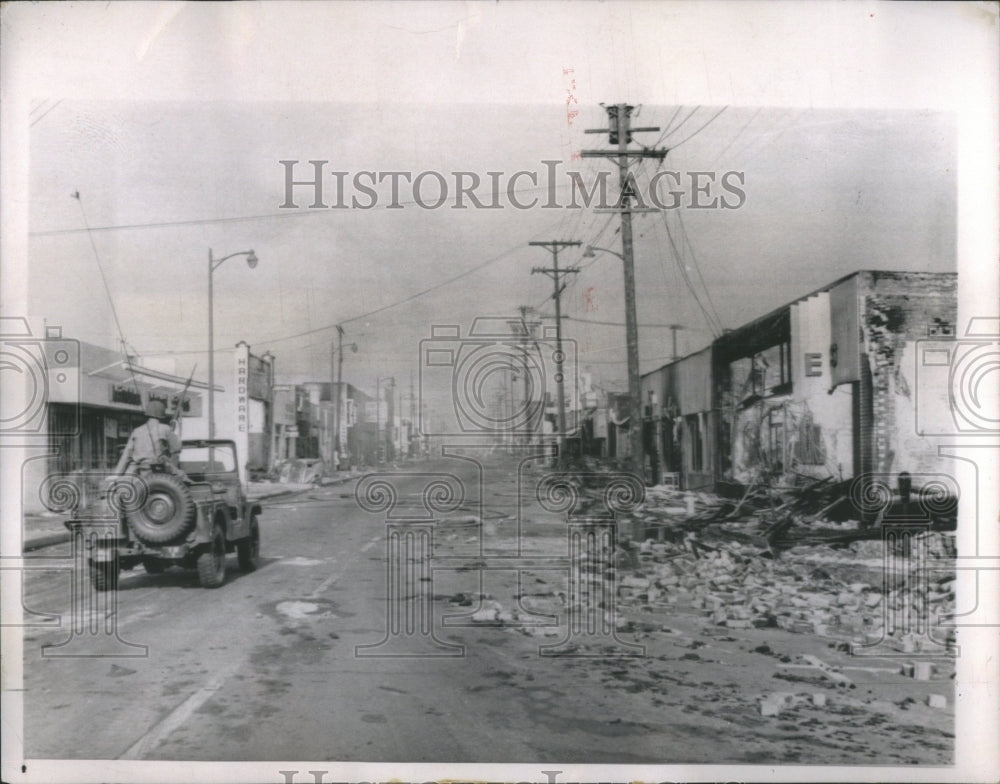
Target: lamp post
(632,346)
(213,263)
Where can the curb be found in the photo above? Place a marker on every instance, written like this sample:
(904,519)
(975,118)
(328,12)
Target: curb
(47,540)
(59,537)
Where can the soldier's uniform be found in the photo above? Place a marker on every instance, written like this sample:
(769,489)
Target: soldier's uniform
(153,442)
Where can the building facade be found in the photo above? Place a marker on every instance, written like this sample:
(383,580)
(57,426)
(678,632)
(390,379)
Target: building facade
(821,387)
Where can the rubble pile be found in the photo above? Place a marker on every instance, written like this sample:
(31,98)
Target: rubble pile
(786,566)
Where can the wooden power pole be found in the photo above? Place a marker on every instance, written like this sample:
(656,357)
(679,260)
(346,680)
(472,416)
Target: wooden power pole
(554,272)
(620,134)
(673,340)
(337,400)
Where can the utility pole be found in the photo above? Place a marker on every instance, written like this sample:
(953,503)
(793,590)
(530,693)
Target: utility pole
(554,272)
(620,133)
(413,420)
(673,340)
(335,451)
(525,330)
(378,422)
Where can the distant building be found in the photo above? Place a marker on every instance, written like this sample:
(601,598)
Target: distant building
(306,423)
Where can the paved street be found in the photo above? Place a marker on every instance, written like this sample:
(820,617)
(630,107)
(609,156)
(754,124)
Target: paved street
(265,667)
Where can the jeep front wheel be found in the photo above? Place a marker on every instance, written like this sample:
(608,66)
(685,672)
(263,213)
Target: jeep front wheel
(248,550)
(212,561)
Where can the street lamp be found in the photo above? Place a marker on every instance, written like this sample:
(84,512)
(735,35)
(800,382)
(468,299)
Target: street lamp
(213,263)
(632,348)
(589,253)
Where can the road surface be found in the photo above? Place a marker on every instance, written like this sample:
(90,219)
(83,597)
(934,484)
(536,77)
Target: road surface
(268,667)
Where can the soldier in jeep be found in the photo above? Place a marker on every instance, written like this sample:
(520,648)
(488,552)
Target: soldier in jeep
(153,442)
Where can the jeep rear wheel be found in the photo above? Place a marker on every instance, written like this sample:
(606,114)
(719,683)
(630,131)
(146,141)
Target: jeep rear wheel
(212,561)
(248,550)
(104,576)
(167,513)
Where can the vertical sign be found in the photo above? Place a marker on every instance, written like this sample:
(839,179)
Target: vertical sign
(242,407)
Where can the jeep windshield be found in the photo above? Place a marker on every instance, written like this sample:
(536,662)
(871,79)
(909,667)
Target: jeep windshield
(197,461)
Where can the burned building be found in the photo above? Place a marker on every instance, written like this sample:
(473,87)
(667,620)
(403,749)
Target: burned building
(823,386)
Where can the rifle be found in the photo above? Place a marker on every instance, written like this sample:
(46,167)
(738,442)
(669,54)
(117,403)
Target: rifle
(176,421)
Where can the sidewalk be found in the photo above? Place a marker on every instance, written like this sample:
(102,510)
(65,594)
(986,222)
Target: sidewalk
(47,528)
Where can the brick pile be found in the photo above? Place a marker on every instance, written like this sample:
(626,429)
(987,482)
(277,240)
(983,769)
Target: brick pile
(734,587)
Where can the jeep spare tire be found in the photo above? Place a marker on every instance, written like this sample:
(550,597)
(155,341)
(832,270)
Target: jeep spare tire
(167,513)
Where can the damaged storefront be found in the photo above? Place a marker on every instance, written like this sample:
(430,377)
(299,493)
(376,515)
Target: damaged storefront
(823,387)
(679,422)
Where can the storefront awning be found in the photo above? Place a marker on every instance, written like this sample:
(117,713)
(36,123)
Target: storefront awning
(123,370)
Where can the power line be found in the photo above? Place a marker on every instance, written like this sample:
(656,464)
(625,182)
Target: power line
(670,123)
(687,279)
(702,128)
(739,133)
(43,114)
(697,268)
(717,325)
(298,213)
(396,304)
(403,301)
(613,323)
(679,125)
(100,268)
(107,289)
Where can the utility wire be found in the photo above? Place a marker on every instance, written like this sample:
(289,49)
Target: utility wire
(107,289)
(396,304)
(297,213)
(694,262)
(739,133)
(687,279)
(702,128)
(697,268)
(679,126)
(405,300)
(614,323)
(43,114)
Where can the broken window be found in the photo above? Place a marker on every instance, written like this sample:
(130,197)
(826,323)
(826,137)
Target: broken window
(771,369)
(695,439)
(809,449)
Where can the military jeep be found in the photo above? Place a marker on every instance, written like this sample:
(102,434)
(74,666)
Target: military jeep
(190,516)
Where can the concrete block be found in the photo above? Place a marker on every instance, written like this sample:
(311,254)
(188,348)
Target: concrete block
(819,700)
(937,701)
(922,670)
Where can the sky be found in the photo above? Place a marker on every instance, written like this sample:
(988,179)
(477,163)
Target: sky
(815,194)
(840,172)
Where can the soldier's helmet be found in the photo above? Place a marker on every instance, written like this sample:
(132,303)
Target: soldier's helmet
(156,409)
